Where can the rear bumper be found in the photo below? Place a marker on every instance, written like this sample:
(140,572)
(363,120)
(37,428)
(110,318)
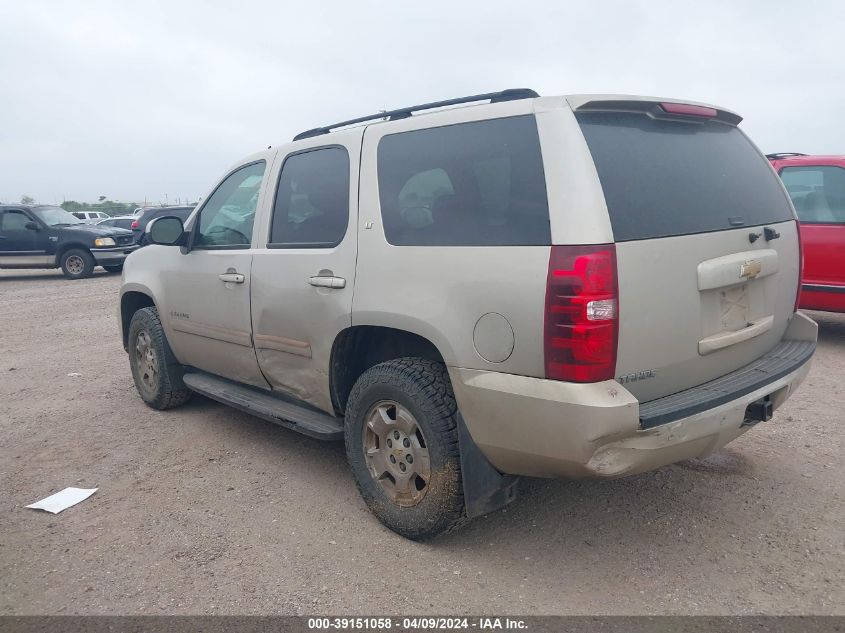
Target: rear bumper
(112,256)
(544,428)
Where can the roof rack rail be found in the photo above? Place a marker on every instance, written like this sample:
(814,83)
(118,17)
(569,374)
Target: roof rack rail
(783,155)
(511,94)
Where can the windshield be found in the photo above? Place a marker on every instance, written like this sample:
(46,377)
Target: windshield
(55,216)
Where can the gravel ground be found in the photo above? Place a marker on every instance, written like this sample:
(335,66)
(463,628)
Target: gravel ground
(207,510)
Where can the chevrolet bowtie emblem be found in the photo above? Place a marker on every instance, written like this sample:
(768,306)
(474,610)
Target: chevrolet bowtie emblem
(751,269)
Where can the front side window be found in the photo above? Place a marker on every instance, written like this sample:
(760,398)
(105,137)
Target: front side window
(312,200)
(817,192)
(14,221)
(469,184)
(228,216)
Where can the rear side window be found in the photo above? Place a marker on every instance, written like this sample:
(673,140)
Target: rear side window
(470,184)
(662,178)
(312,200)
(818,193)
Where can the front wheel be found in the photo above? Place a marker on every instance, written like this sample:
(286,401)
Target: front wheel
(402,446)
(77,264)
(114,268)
(157,374)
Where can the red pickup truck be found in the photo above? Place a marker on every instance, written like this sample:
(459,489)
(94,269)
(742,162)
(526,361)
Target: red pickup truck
(816,185)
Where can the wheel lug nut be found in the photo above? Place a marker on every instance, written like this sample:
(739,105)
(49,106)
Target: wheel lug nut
(406,442)
(402,467)
(392,459)
(409,459)
(389,444)
(396,434)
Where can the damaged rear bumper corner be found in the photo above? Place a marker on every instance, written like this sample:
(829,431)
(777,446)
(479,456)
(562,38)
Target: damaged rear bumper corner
(545,428)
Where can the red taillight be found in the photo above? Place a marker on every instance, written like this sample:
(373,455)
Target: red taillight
(800,266)
(689,110)
(582,313)
(134,224)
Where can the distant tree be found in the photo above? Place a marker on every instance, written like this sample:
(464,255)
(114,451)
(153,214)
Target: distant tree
(27,200)
(108,206)
(101,198)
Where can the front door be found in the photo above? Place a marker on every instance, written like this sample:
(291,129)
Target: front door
(818,193)
(303,276)
(206,293)
(21,243)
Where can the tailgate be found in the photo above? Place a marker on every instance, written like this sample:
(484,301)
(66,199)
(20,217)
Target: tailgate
(706,243)
(687,315)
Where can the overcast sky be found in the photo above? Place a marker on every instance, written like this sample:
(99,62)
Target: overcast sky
(156,99)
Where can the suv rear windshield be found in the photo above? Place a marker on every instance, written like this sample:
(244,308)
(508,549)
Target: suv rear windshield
(662,178)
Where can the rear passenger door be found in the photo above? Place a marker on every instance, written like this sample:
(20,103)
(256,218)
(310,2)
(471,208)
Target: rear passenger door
(303,272)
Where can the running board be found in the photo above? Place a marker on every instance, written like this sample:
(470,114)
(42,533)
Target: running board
(266,405)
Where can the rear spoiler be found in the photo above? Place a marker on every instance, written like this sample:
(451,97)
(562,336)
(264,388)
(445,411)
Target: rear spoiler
(659,109)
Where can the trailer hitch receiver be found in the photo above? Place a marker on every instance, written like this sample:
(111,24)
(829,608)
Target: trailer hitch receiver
(761,410)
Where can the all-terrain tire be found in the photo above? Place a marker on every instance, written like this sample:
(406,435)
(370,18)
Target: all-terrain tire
(77,263)
(422,388)
(157,374)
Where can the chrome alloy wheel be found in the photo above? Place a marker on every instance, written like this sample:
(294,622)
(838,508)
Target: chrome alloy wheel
(146,360)
(396,452)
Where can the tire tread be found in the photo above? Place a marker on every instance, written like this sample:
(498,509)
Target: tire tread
(172,391)
(427,383)
(90,263)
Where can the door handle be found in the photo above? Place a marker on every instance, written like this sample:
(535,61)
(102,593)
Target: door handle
(233,278)
(327,282)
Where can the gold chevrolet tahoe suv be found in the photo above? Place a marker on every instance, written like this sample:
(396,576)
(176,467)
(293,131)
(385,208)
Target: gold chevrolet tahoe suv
(474,290)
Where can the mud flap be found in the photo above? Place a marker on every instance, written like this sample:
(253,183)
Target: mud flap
(485,488)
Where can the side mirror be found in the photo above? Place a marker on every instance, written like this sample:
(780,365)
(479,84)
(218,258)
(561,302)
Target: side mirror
(167,231)
(32,226)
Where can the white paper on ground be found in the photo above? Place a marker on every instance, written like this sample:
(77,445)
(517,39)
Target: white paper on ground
(63,499)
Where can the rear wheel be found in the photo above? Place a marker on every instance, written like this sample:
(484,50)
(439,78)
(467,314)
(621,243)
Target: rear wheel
(157,374)
(402,445)
(77,264)
(114,268)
